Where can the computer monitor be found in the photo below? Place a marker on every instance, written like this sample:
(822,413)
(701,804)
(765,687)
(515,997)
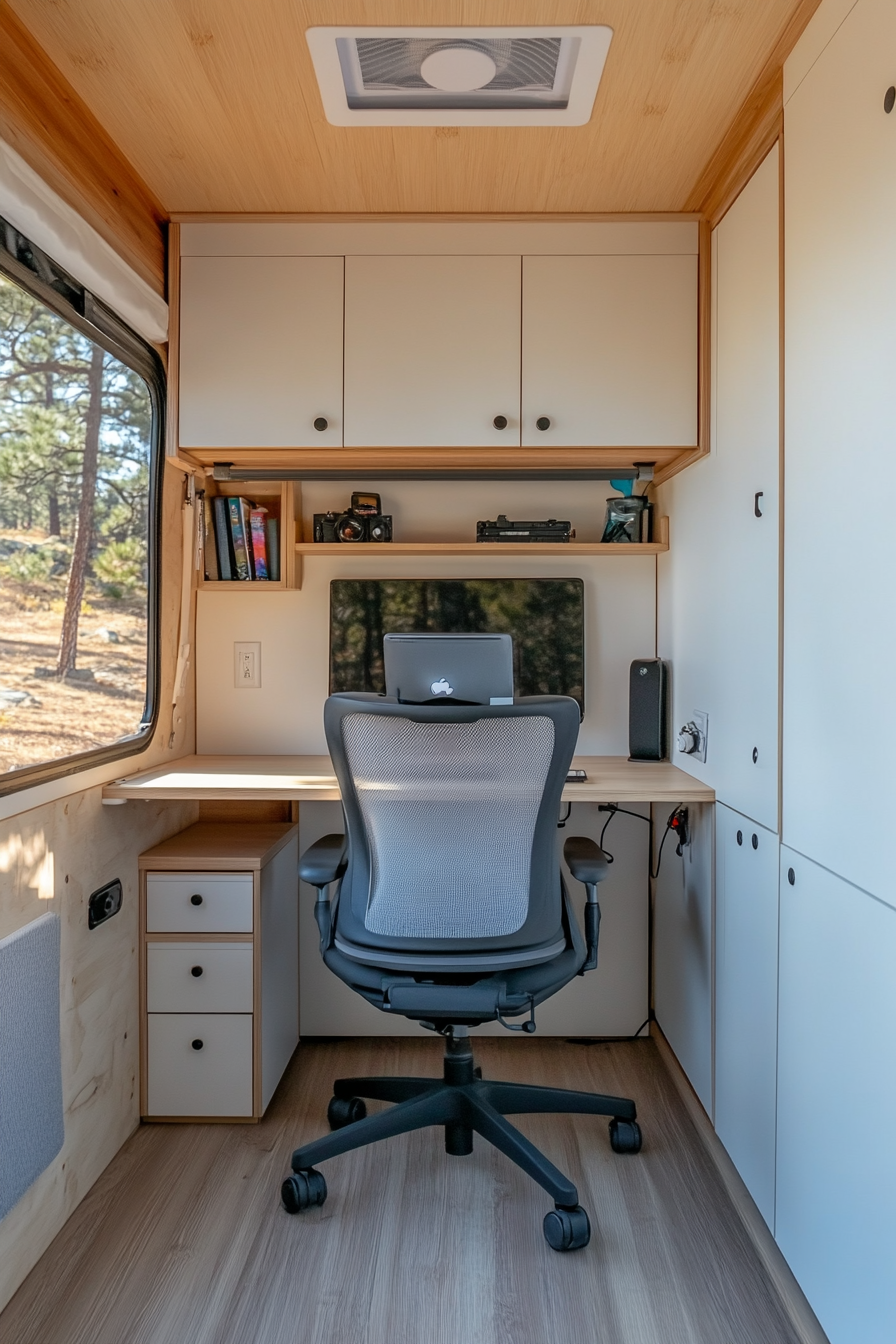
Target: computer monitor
(465,669)
(545,619)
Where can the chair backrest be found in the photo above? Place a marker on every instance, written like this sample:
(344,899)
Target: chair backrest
(451,817)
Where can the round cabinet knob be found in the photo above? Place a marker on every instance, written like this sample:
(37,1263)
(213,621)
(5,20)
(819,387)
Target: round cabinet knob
(196,971)
(755,755)
(791,877)
(197,1044)
(196,900)
(687,741)
(755,841)
(542,422)
(321,423)
(500,422)
(890,99)
(740,837)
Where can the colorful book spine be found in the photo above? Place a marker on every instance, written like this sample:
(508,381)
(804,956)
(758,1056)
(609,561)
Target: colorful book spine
(272,532)
(259,542)
(222,538)
(242,566)
(209,541)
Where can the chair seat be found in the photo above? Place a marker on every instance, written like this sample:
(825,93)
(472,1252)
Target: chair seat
(462,963)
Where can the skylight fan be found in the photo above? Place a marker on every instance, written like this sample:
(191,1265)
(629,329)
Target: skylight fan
(459,76)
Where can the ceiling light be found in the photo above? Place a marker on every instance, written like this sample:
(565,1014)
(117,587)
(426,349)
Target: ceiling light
(458,69)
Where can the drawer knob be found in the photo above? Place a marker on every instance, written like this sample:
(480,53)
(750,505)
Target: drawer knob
(543,422)
(500,422)
(197,1044)
(196,971)
(196,900)
(321,424)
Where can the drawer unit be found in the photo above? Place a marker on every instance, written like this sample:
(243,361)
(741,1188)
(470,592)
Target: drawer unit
(200,1064)
(219,963)
(199,977)
(198,903)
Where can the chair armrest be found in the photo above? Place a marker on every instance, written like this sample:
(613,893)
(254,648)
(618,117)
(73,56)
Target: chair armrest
(323,861)
(587,861)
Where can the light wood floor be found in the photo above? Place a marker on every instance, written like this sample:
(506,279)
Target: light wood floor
(183,1241)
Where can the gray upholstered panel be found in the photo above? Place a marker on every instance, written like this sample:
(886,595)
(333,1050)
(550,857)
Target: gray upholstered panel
(450,812)
(31,1123)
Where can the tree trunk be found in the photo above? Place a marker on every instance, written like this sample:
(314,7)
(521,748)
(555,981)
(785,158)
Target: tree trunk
(54,527)
(68,641)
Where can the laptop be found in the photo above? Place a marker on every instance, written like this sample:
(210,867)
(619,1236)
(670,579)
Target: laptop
(466,669)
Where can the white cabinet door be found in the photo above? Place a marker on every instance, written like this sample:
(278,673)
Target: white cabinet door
(199,1064)
(836,1173)
(432,351)
(682,955)
(746,1000)
(719,584)
(260,352)
(839,559)
(610,350)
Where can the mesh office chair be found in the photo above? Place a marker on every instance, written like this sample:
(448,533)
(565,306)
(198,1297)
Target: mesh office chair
(451,910)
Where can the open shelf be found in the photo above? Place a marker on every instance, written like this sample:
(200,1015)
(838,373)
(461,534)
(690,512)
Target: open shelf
(485,548)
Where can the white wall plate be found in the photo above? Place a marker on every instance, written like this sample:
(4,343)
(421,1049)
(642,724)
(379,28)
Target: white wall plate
(543,76)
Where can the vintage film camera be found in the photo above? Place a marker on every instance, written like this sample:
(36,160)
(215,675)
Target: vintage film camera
(363,521)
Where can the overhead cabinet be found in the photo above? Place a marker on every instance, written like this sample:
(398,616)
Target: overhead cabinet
(261,352)
(428,349)
(432,351)
(609,351)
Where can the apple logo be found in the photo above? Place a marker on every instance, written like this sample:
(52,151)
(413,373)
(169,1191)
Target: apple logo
(442,687)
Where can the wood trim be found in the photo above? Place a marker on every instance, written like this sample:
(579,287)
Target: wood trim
(256,992)
(704,341)
(791,1296)
(372,462)
(144,1011)
(172,437)
(44,120)
(754,130)
(221,217)
(200,1119)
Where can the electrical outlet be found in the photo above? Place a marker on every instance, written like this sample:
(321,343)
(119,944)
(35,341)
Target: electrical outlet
(701,723)
(247,665)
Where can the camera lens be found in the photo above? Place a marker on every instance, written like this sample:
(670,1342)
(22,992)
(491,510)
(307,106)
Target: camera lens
(377,532)
(349,528)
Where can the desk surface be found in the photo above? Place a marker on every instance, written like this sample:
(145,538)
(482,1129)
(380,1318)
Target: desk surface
(611,779)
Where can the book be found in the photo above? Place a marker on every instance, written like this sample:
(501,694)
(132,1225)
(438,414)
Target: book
(223,542)
(239,531)
(272,536)
(259,541)
(209,543)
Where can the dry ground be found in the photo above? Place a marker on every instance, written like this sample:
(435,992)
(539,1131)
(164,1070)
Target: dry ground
(60,718)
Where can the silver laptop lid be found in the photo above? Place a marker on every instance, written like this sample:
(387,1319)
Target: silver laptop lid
(477,669)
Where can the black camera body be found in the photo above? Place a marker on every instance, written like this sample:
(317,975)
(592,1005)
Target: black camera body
(362,521)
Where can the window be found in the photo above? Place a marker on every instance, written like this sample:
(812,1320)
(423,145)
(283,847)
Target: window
(81,409)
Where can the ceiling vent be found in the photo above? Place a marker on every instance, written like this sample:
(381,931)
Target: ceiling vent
(459,76)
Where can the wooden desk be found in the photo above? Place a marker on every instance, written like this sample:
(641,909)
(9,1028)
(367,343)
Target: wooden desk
(611,779)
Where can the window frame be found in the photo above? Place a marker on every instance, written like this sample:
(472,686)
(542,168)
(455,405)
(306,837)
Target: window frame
(100,324)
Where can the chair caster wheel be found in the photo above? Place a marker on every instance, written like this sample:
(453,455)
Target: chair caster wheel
(625,1136)
(344,1111)
(567,1229)
(303,1190)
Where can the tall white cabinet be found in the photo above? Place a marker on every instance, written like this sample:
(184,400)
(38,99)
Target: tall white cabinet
(718,585)
(840,566)
(836,1174)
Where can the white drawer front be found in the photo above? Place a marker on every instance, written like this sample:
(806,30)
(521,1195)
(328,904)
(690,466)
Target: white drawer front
(199,977)
(224,904)
(215,1079)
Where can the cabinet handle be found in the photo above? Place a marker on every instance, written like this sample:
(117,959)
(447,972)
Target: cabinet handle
(890,99)
(197,1044)
(755,841)
(740,837)
(196,900)
(756,498)
(755,755)
(542,422)
(196,971)
(321,423)
(791,877)
(500,422)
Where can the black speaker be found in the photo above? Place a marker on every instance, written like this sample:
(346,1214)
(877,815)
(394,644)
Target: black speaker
(647,710)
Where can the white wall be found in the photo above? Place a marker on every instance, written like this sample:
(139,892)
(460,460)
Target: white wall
(285,715)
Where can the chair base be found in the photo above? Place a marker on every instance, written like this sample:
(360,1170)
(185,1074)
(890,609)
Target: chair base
(464,1104)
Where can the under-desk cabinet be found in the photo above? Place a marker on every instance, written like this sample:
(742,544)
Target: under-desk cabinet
(218,970)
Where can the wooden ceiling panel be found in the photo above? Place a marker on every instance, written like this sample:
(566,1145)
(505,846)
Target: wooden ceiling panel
(216,105)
